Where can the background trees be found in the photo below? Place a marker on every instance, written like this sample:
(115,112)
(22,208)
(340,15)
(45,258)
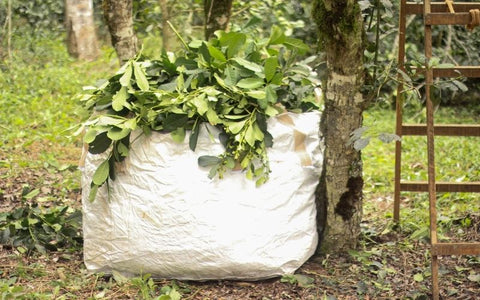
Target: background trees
(119,18)
(81,36)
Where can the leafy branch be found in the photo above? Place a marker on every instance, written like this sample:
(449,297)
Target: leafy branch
(233,82)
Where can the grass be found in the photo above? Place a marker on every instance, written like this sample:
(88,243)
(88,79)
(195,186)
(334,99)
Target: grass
(39,153)
(456,161)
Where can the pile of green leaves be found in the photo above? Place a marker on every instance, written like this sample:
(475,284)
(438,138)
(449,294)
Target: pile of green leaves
(233,82)
(34,228)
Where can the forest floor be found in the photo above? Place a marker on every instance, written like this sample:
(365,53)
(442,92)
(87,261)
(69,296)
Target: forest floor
(388,263)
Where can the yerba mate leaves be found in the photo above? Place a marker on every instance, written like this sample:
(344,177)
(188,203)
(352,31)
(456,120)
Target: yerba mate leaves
(233,82)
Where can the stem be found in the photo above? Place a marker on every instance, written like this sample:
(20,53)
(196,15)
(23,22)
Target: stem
(377,42)
(178,35)
(9,34)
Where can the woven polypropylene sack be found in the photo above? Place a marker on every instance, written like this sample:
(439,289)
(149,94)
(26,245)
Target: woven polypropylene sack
(163,216)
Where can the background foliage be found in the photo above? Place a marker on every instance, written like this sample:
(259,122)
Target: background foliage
(39,153)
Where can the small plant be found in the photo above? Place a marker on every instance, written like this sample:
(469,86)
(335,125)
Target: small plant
(233,82)
(8,289)
(34,228)
(147,288)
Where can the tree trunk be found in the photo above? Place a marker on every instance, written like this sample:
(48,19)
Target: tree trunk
(82,40)
(339,204)
(167,33)
(217,15)
(119,17)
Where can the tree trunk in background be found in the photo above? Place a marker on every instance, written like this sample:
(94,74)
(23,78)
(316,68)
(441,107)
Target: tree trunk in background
(340,195)
(167,32)
(119,17)
(217,15)
(82,40)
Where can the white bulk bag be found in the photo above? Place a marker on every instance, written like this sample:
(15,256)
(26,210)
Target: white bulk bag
(165,217)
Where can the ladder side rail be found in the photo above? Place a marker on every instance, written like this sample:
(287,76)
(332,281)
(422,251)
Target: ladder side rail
(399,110)
(431,149)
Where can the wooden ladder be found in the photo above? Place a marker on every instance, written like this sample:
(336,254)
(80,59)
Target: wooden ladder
(436,13)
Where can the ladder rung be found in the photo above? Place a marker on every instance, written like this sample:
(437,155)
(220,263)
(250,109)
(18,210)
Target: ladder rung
(456,249)
(415,8)
(458,18)
(457,71)
(452,187)
(465,71)
(443,130)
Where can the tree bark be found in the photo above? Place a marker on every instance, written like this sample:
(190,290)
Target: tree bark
(217,16)
(119,17)
(340,195)
(167,33)
(82,40)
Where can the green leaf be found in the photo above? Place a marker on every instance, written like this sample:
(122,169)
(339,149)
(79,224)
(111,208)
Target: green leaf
(32,194)
(304,281)
(460,85)
(120,99)
(212,117)
(203,50)
(217,54)
(234,41)
(90,135)
(253,134)
(271,65)
(248,64)
(93,192)
(140,77)
(296,44)
(235,117)
(418,277)
(235,127)
(276,36)
(180,83)
(251,83)
(260,181)
(231,75)
(213,171)
(125,79)
(100,144)
(252,22)
(208,161)
(300,69)
(361,143)
(108,120)
(101,174)
(270,94)
(116,133)
(174,121)
(130,124)
(178,135)
(122,149)
(201,104)
(194,136)
(258,94)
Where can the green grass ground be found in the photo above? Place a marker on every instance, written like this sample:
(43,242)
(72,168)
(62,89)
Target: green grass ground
(38,163)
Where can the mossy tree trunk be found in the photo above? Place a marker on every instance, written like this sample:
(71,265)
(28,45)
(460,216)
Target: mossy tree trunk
(82,40)
(217,15)
(340,27)
(119,17)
